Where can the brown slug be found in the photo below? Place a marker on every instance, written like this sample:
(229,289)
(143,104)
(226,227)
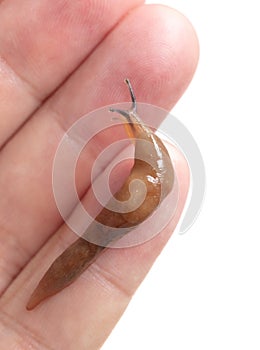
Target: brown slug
(153,167)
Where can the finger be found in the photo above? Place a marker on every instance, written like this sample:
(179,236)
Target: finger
(41,43)
(29,202)
(91,306)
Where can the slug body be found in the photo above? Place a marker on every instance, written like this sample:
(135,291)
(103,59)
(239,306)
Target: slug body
(152,167)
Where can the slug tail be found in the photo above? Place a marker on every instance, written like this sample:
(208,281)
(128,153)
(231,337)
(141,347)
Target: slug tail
(64,270)
(38,295)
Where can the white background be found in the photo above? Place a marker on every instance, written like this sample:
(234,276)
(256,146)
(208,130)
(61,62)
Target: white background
(203,291)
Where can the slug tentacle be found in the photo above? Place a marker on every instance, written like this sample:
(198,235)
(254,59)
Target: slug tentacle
(153,167)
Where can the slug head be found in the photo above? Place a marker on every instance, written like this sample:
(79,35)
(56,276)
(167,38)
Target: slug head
(133,124)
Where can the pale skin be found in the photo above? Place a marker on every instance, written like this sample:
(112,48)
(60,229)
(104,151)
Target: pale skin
(92,47)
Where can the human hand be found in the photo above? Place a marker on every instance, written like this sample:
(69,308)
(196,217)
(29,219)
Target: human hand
(60,60)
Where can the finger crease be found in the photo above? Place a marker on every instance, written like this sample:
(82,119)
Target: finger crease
(108,280)
(22,336)
(32,91)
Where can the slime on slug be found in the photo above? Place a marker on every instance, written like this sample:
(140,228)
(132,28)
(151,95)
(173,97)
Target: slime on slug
(153,167)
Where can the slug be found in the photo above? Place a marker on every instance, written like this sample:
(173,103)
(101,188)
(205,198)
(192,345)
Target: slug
(153,167)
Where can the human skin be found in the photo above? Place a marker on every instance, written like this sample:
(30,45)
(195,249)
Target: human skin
(60,60)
